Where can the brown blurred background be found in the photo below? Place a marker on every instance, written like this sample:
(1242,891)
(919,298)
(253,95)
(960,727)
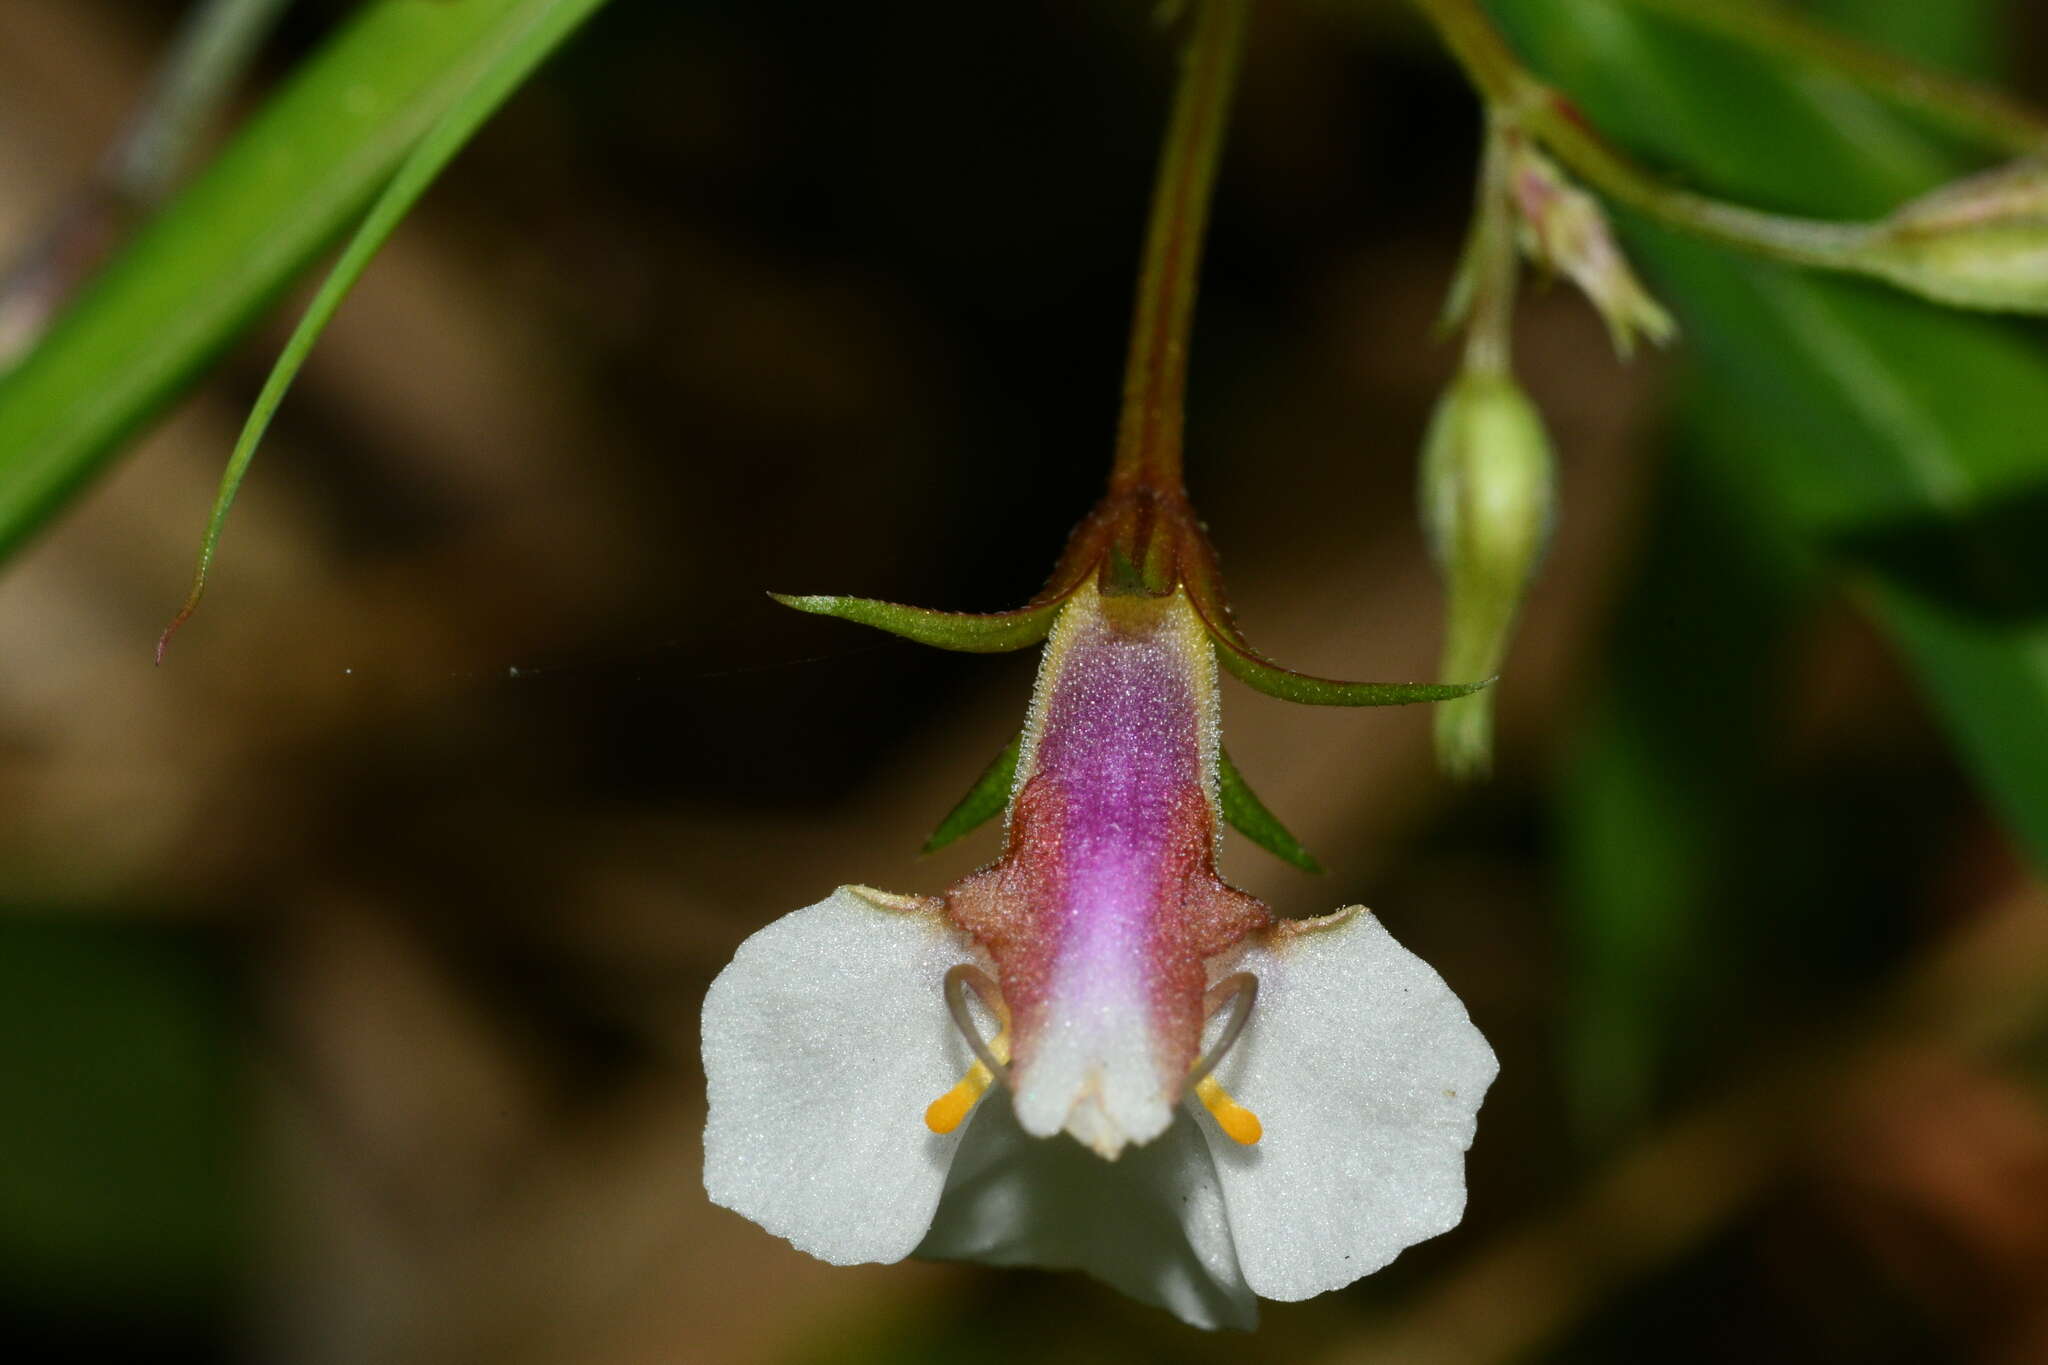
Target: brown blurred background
(350,1011)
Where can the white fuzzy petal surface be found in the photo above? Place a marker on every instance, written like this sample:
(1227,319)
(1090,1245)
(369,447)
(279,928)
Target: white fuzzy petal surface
(1150,1223)
(1367,1075)
(824,1040)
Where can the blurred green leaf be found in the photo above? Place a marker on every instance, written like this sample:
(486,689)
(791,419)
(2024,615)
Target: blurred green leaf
(1896,441)
(1901,437)
(1664,802)
(297,176)
(504,65)
(121,1123)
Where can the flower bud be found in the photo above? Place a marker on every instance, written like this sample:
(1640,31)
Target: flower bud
(1980,242)
(1488,501)
(1563,229)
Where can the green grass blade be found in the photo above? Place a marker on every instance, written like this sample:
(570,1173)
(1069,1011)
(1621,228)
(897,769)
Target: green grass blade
(503,64)
(291,181)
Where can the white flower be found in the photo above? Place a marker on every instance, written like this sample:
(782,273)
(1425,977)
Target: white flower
(828,1035)
(867,1104)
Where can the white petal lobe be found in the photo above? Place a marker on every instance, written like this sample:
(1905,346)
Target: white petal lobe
(1367,1075)
(824,1040)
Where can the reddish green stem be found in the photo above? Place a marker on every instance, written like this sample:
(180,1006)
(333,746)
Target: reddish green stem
(1148,451)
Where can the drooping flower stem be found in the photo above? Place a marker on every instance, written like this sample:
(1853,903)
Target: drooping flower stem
(1514,92)
(1148,451)
(1493,260)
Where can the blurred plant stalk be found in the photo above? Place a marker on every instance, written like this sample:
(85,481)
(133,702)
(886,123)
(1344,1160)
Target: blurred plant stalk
(1965,269)
(206,65)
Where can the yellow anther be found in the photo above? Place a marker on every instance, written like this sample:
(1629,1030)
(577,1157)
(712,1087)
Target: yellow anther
(944,1114)
(1238,1123)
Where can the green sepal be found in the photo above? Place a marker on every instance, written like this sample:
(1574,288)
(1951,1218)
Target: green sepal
(968,632)
(1248,816)
(1204,587)
(1286,684)
(986,798)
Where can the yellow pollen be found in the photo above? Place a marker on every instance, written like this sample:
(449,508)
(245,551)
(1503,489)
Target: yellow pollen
(944,1114)
(1238,1123)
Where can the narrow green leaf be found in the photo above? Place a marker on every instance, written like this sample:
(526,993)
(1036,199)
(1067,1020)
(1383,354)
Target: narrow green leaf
(1266,676)
(984,800)
(1248,816)
(501,65)
(301,170)
(969,632)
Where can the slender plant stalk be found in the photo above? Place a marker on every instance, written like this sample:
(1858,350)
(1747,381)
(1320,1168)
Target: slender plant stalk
(198,78)
(205,67)
(1494,260)
(1546,114)
(1963,107)
(1155,381)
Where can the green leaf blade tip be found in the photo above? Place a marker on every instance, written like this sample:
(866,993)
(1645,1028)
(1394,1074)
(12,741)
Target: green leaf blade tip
(498,64)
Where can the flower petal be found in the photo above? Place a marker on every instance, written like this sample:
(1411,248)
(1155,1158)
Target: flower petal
(1150,1224)
(824,1040)
(1367,1075)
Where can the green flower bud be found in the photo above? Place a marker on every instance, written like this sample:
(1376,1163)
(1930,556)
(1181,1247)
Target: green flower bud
(1981,242)
(1488,501)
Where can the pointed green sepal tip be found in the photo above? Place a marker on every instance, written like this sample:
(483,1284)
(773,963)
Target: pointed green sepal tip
(984,800)
(968,632)
(1308,690)
(1248,816)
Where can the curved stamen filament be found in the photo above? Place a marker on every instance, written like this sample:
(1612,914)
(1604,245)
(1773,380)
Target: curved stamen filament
(945,1113)
(1238,992)
(957,982)
(1238,1123)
